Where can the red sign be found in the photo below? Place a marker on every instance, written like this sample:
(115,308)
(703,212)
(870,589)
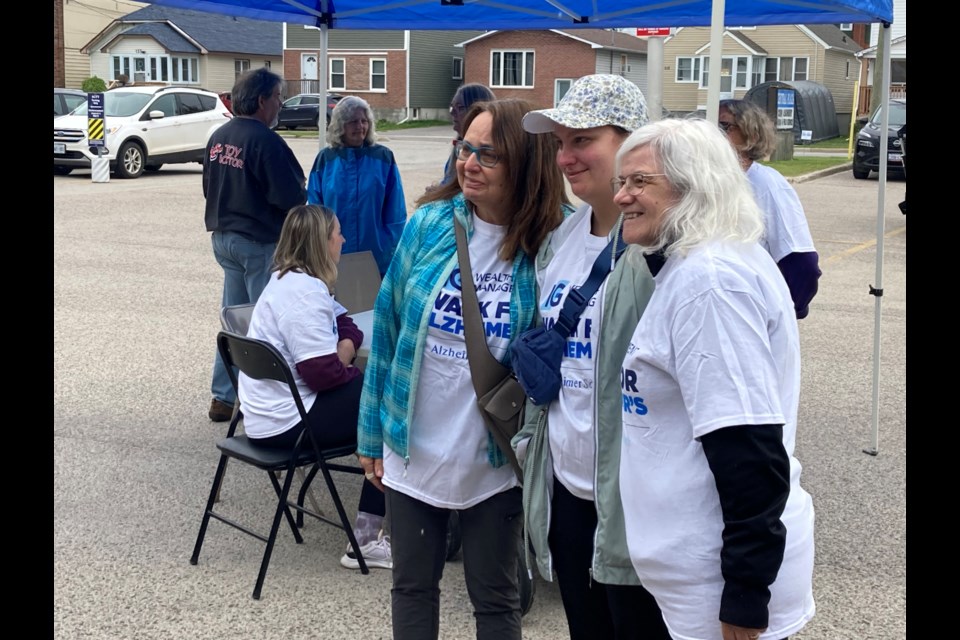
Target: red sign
(654,31)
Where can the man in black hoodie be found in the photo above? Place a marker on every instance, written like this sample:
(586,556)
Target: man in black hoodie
(251,179)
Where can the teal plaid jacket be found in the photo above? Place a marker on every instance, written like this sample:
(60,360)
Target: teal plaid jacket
(424,259)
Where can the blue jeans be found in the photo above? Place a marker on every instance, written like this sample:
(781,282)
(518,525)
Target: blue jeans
(246,271)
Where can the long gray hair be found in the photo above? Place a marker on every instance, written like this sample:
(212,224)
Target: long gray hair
(345,111)
(715,199)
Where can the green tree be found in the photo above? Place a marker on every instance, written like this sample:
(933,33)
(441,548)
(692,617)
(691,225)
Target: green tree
(93,84)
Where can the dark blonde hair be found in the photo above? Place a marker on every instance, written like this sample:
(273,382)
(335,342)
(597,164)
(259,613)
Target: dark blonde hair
(759,137)
(303,245)
(536,192)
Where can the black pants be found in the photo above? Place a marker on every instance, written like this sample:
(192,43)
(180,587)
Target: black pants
(491,542)
(333,422)
(594,610)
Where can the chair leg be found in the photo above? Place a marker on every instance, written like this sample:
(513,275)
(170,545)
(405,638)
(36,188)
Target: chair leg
(332,488)
(214,496)
(282,509)
(304,489)
(277,488)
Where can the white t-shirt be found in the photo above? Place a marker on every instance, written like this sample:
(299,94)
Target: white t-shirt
(786,225)
(298,316)
(448,464)
(717,346)
(571,416)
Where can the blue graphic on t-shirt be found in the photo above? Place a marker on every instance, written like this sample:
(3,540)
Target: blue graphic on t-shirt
(632,402)
(447,312)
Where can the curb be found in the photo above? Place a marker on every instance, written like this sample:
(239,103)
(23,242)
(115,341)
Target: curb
(829,171)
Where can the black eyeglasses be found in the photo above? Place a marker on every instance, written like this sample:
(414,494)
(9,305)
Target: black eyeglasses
(634,183)
(726,126)
(486,156)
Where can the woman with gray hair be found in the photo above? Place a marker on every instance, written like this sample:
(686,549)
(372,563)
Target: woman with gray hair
(359,179)
(718,527)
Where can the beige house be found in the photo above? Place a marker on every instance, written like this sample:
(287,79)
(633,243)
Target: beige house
(753,55)
(80,22)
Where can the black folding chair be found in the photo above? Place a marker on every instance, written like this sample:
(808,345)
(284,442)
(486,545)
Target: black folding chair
(261,361)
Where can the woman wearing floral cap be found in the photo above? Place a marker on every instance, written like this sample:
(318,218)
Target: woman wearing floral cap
(570,448)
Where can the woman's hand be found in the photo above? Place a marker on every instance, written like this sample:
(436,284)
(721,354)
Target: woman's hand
(733,632)
(372,470)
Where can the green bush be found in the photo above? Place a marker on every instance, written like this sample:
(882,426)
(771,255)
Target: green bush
(93,84)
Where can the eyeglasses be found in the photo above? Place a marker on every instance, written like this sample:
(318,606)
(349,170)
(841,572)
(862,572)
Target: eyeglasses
(726,126)
(634,183)
(486,156)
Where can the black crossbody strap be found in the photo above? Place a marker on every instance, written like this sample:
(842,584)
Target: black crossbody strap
(485,370)
(578,298)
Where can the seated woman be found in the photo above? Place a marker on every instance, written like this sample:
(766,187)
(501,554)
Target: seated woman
(297,314)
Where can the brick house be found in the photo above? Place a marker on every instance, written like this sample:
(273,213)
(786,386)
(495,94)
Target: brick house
(401,73)
(540,66)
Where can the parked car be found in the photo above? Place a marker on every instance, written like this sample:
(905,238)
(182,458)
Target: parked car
(146,127)
(866,156)
(227,100)
(66,100)
(303,110)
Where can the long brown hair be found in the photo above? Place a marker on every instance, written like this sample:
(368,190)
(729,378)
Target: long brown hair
(537,192)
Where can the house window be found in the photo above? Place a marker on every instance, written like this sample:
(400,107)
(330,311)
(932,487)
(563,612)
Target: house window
(793,68)
(239,66)
(338,73)
(846,74)
(560,88)
(846,26)
(511,68)
(266,64)
(378,74)
(457,69)
(771,69)
(734,73)
(624,66)
(688,69)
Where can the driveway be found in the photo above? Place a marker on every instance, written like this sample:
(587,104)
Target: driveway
(136,301)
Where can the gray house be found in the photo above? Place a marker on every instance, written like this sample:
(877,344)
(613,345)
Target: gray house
(402,74)
(159,44)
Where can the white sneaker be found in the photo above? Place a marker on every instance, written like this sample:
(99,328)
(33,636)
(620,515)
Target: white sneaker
(376,554)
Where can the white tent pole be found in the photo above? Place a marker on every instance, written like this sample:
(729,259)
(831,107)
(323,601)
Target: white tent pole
(877,291)
(716,60)
(654,78)
(323,75)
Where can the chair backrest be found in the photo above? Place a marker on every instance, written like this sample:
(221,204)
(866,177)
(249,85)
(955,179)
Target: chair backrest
(358,281)
(236,318)
(259,360)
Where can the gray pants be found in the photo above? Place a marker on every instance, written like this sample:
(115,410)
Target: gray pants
(491,542)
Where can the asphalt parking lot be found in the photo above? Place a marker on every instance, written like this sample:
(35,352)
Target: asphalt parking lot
(136,302)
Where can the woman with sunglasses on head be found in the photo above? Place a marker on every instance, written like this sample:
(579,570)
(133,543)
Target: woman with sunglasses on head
(718,527)
(787,237)
(360,180)
(421,433)
(462,100)
(571,447)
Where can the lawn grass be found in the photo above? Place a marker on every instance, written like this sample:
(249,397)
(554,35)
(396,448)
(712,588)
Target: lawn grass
(803,165)
(839,142)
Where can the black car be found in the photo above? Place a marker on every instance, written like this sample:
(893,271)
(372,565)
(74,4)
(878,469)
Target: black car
(303,110)
(66,100)
(866,156)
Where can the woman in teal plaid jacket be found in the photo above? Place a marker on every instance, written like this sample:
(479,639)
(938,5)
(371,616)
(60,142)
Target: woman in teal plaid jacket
(420,433)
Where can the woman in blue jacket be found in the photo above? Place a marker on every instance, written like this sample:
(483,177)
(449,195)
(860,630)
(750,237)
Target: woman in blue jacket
(360,181)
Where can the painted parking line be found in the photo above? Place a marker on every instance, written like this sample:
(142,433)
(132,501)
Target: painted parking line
(864,245)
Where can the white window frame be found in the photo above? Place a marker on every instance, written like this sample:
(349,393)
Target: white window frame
(457,73)
(806,68)
(373,75)
(343,72)
(846,75)
(694,69)
(734,85)
(159,68)
(624,64)
(556,89)
(525,83)
(240,65)
(776,72)
(846,26)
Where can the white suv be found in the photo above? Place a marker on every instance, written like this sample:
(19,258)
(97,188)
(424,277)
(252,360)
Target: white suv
(146,127)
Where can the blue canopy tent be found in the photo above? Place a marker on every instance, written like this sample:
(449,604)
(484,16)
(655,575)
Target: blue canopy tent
(596,14)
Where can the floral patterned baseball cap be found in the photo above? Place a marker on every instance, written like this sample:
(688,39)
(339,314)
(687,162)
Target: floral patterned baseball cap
(593,101)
